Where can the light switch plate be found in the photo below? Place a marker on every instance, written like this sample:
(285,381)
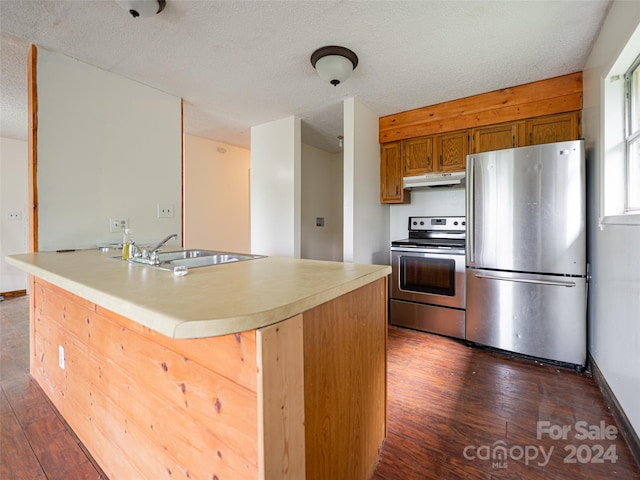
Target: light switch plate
(118,224)
(166,210)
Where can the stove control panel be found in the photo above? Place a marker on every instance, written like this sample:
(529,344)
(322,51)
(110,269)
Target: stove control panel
(437,223)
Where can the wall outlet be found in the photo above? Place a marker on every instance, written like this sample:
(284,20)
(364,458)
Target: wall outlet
(14,216)
(61,356)
(166,210)
(118,224)
(319,221)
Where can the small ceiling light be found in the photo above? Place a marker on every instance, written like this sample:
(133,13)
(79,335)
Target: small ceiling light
(142,8)
(334,64)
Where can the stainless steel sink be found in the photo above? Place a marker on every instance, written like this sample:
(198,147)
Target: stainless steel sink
(194,259)
(185,254)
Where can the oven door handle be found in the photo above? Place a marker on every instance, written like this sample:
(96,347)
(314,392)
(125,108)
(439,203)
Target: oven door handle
(554,283)
(428,253)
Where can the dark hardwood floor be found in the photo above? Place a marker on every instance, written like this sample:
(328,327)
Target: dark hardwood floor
(35,442)
(450,408)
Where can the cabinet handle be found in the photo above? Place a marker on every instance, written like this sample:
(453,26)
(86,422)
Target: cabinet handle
(513,141)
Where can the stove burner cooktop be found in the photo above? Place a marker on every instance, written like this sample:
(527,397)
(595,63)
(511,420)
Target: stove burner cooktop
(434,232)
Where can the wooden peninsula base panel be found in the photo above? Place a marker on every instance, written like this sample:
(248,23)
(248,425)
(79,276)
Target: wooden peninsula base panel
(302,398)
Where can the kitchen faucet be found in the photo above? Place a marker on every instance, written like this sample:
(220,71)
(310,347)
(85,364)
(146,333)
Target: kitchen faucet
(150,255)
(163,241)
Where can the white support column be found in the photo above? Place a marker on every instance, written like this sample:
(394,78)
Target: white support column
(275,188)
(366,220)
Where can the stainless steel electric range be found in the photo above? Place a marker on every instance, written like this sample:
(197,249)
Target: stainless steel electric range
(427,289)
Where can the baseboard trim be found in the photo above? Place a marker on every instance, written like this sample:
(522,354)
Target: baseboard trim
(13,294)
(627,430)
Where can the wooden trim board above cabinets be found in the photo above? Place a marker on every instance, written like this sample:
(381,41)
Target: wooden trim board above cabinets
(546,97)
(438,138)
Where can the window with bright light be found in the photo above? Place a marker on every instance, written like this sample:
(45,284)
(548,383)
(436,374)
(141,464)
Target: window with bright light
(632,174)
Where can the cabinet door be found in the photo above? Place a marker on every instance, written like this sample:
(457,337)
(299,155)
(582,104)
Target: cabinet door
(497,137)
(554,128)
(391,190)
(452,149)
(417,155)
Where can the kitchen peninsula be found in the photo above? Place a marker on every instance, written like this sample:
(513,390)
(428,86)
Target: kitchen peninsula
(273,368)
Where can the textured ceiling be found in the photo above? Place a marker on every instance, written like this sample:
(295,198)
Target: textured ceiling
(238,64)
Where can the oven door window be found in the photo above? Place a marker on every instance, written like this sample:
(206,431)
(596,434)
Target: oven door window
(428,275)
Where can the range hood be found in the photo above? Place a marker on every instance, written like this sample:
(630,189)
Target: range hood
(434,180)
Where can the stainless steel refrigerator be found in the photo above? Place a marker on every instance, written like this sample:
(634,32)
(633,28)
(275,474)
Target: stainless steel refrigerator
(526,275)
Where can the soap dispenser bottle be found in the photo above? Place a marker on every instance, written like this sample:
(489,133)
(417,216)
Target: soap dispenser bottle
(126,244)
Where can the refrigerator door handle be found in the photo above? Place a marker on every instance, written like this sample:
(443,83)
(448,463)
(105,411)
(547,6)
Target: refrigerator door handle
(470,227)
(527,280)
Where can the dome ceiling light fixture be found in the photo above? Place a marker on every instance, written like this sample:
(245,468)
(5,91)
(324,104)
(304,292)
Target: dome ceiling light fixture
(334,64)
(142,8)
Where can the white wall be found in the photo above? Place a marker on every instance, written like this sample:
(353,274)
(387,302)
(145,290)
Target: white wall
(366,220)
(321,197)
(14,161)
(216,195)
(107,147)
(275,188)
(614,246)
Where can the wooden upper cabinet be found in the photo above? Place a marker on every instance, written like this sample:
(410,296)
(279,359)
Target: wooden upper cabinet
(452,149)
(497,137)
(553,128)
(417,155)
(437,138)
(435,153)
(391,173)
(534,131)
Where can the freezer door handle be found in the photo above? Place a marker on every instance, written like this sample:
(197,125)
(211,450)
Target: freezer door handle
(527,280)
(471,244)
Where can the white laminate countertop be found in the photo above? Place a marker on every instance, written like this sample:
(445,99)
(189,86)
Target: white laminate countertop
(209,301)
